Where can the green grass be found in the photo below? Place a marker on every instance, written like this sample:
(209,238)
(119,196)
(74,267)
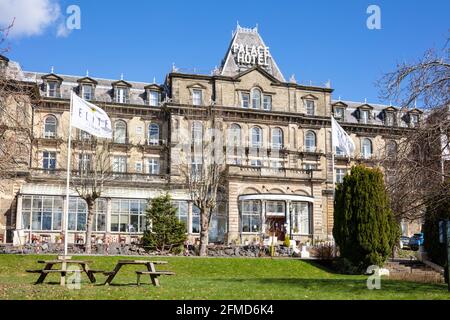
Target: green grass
(209,278)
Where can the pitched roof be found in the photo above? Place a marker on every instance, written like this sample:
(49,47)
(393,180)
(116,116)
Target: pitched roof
(247,38)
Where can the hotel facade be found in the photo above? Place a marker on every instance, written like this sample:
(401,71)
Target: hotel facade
(279,175)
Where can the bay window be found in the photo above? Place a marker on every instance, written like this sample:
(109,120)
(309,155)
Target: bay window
(301,215)
(251,216)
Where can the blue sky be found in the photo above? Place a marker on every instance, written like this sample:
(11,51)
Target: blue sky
(315,40)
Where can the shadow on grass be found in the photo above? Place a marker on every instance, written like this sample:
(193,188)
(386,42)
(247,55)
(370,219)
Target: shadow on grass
(322,265)
(340,285)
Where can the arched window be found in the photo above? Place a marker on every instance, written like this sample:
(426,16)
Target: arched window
(50,125)
(197,132)
(310,141)
(256,137)
(120,132)
(391,149)
(277,138)
(153,134)
(256,99)
(366,148)
(234,135)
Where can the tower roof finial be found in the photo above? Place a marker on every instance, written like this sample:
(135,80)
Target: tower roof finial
(87,73)
(121,76)
(52,69)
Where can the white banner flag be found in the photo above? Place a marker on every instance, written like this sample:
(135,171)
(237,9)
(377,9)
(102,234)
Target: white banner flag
(445,147)
(341,138)
(90,118)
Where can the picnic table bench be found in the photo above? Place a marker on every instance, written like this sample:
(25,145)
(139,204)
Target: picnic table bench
(151,270)
(64,270)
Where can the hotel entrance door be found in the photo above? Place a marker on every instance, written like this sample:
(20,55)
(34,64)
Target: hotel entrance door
(275,225)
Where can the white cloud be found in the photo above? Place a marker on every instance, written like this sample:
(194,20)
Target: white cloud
(32,17)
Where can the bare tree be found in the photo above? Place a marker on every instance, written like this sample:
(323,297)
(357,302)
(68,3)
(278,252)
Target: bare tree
(17,98)
(93,163)
(4,33)
(202,166)
(417,171)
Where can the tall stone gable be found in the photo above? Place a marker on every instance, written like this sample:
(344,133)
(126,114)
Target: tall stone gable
(247,50)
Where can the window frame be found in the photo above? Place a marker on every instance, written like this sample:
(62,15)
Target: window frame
(310,104)
(153,166)
(256,101)
(197,97)
(120,166)
(49,157)
(54,90)
(363,148)
(309,148)
(245,100)
(54,133)
(267,102)
(151,98)
(252,215)
(83,92)
(253,134)
(152,132)
(116,138)
(280,137)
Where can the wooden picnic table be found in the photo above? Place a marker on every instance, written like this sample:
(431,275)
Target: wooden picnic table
(64,269)
(151,270)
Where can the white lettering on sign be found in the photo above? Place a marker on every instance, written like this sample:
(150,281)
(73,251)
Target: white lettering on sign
(252,55)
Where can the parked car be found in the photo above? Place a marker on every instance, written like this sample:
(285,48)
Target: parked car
(404,242)
(416,241)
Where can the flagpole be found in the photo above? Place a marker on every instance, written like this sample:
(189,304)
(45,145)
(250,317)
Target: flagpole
(69,154)
(332,158)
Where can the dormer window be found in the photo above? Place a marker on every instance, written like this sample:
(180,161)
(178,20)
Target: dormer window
(389,119)
(153,95)
(154,98)
(310,108)
(86,88)
(121,95)
(364,116)
(245,102)
(52,87)
(86,92)
(197,97)
(339,113)
(414,120)
(121,91)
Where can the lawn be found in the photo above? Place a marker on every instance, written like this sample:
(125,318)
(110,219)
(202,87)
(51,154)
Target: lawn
(209,278)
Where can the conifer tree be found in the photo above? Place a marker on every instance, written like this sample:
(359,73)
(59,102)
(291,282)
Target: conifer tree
(164,231)
(365,229)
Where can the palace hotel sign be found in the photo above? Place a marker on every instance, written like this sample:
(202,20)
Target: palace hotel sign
(251,55)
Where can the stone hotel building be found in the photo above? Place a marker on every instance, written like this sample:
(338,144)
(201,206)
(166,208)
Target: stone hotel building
(280,181)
